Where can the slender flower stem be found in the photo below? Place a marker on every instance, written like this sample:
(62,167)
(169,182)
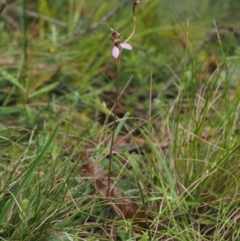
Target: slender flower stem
(135,3)
(117,55)
(134,22)
(115,107)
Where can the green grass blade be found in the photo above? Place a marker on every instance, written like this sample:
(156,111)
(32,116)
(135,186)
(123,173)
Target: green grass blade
(12,79)
(155,151)
(44,89)
(29,174)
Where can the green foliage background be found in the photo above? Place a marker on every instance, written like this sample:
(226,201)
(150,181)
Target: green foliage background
(57,77)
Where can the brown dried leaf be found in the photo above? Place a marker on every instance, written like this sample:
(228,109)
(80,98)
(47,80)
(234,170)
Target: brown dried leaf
(124,207)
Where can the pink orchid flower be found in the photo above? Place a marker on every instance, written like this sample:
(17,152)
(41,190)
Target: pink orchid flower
(117,42)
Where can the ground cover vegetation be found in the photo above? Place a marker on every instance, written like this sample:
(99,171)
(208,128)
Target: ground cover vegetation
(119,120)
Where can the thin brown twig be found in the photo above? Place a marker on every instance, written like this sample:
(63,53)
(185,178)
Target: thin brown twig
(12,21)
(3,4)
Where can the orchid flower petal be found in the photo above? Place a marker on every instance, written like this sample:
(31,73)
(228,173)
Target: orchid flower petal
(115,52)
(126,46)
